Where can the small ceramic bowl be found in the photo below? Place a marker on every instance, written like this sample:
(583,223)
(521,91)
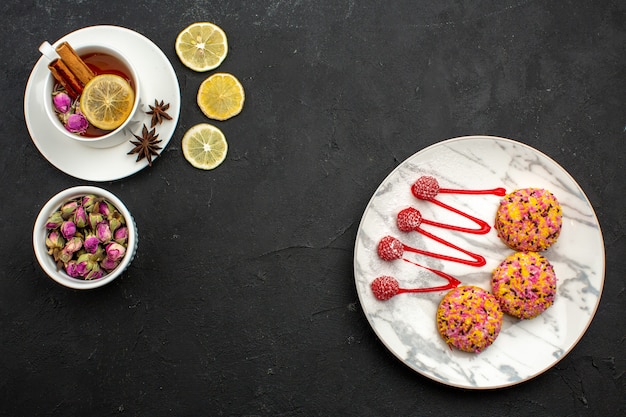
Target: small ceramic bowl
(40,233)
(115,137)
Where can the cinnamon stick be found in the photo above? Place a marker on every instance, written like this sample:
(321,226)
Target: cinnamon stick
(74,63)
(66,78)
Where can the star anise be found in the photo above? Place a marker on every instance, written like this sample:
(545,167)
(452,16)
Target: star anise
(158,112)
(146,146)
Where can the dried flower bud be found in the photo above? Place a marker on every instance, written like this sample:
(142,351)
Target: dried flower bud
(115,251)
(105,208)
(87,263)
(94,273)
(73,245)
(54,240)
(54,221)
(76,123)
(88,202)
(109,264)
(65,255)
(68,229)
(94,219)
(68,209)
(71,270)
(76,268)
(121,235)
(82,264)
(80,217)
(103,232)
(91,243)
(114,224)
(62,102)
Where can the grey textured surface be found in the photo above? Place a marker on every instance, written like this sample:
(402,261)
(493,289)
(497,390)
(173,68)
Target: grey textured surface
(241,300)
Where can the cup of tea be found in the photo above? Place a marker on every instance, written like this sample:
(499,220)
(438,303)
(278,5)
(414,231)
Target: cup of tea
(89,73)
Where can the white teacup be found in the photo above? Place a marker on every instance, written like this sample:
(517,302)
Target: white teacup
(115,137)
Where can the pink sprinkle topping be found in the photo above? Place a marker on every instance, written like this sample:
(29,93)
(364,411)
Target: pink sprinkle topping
(385,287)
(425,188)
(390,248)
(409,219)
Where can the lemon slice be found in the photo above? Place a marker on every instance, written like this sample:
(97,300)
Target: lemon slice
(107,101)
(204,146)
(201,46)
(221,96)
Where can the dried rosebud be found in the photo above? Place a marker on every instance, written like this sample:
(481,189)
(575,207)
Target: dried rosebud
(94,219)
(68,209)
(94,273)
(86,265)
(82,264)
(54,221)
(54,240)
(77,123)
(114,224)
(77,268)
(62,102)
(71,269)
(109,264)
(74,245)
(68,229)
(103,232)
(91,243)
(80,217)
(121,235)
(85,259)
(65,255)
(89,201)
(105,208)
(115,251)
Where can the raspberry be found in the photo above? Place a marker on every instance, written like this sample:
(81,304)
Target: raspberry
(425,188)
(409,219)
(390,248)
(385,287)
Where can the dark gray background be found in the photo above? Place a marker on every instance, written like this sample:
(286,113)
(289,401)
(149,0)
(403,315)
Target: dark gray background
(241,300)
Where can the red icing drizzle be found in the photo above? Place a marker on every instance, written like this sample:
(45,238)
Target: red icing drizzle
(452,282)
(385,287)
(478,260)
(426,188)
(484,226)
(495,191)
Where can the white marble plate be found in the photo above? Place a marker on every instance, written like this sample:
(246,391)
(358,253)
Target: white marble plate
(158,81)
(406,323)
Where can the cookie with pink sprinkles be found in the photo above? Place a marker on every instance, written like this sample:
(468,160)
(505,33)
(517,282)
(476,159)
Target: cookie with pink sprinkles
(524,284)
(529,219)
(469,318)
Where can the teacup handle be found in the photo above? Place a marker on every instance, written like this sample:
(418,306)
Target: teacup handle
(135,121)
(48,51)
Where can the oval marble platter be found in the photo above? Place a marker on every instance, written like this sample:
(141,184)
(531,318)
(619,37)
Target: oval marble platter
(406,323)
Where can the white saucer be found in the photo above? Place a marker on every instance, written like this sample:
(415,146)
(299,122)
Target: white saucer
(158,81)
